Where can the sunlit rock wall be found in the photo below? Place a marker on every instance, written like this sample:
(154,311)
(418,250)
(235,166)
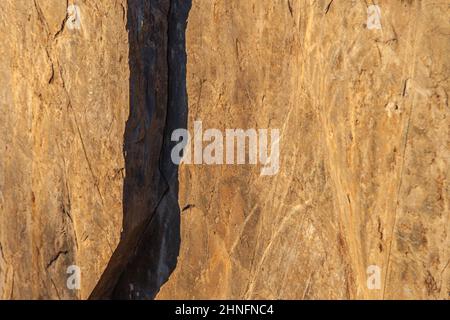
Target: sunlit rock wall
(362,189)
(64,86)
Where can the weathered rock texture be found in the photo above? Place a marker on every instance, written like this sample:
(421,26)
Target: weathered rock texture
(149,246)
(364,151)
(64,103)
(88,104)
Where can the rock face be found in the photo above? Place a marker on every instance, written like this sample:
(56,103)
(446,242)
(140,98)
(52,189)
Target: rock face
(363,179)
(149,246)
(91,91)
(64,102)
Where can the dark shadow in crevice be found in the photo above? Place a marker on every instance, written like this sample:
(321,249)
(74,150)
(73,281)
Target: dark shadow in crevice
(150,242)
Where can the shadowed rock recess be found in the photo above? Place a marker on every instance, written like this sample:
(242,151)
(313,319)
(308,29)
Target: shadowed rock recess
(91,91)
(148,249)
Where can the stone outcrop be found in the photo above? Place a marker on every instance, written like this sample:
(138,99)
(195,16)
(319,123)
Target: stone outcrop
(91,91)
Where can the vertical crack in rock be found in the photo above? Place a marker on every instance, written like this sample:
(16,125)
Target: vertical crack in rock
(149,246)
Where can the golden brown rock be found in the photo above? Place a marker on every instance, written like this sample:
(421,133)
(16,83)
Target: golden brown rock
(90,92)
(363,179)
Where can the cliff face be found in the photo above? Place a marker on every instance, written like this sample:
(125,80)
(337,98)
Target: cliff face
(91,91)
(86,178)
(364,150)
(64,103)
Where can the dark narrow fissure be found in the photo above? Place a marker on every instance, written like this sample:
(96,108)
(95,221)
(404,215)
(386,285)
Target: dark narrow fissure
(148,250)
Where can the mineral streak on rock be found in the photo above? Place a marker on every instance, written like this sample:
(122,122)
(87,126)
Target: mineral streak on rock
(90,92)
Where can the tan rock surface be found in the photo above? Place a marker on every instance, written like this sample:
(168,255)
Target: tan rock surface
(364,151)
(89,96)
(64,104)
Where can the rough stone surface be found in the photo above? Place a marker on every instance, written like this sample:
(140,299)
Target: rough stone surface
(63,107)
(364,151)
(89,97)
